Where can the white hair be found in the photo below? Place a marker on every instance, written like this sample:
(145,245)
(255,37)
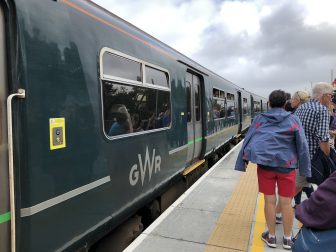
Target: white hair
(322,88)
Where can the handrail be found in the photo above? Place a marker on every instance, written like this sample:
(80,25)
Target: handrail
(20,94)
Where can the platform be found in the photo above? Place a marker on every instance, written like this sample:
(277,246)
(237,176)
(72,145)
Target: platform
(221,212)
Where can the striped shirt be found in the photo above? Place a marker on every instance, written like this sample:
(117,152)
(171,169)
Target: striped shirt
(315,121)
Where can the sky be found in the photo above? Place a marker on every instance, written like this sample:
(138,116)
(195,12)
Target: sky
(260,45)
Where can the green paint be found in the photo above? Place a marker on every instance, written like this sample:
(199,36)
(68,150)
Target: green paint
(5,217)
(196,140)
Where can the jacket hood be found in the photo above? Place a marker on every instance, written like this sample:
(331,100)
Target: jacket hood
(276,115)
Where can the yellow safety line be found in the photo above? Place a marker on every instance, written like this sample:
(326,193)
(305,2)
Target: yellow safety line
(259,227)
(193,167)
(233,228)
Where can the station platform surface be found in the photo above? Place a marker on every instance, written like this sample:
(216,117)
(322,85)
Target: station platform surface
(221,212)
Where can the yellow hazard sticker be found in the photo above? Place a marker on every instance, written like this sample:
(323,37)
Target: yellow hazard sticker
(57,133)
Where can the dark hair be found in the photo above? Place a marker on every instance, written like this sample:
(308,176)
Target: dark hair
(288,96)
(288,106)
(334,96)
(277,98)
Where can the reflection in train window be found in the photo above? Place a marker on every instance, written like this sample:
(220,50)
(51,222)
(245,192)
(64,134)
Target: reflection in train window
(188,85)
(219,104)
(215,92)
(231,109)
(245,106)
(256,107)
(130,108)
(129,104)
(197,103)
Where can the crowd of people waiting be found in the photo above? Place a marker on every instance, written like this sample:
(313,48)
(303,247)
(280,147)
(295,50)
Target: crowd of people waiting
(283,142)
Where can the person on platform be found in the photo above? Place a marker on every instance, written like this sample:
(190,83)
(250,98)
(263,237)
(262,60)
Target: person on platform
(277,144)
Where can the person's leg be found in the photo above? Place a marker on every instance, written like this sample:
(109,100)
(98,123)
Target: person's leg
(299,181)
(286,190)
(287,215)
(278,218)
(269,211)
(266,183)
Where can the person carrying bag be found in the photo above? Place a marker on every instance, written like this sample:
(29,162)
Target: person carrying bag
(322,166)
(318,216)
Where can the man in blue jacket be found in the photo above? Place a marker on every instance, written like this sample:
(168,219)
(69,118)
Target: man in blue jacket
(277,143)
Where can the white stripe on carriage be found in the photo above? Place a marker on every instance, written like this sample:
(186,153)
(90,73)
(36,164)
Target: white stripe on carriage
(178,149)
(61,198)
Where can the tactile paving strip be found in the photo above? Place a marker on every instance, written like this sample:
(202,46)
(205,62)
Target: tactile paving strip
(232,231)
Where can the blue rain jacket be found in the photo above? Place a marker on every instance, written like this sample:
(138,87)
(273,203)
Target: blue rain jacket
(276,139)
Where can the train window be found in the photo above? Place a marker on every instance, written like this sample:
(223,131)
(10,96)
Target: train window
(188,101)
(156,77)
(129,108)
(129,105)
(256,106)
(215,92)
(219,108)
(230,97)
(197,103)
(245,107)
(121,67)
(231,109)
(219,104)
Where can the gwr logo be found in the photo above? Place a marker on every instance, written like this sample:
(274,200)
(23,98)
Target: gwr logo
(148,164)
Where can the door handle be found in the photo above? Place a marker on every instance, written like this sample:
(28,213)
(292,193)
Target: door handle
(20,94)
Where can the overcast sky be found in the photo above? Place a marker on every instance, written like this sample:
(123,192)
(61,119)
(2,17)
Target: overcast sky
(260,45)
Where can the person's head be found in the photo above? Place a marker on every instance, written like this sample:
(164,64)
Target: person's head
(334,98)
(120,113)
(323,92)
(277,99)
(288,96)
(298,98)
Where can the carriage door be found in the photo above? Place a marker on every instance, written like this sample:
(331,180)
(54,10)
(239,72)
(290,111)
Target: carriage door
(4,187)
(252,108)
(194,118)
(240,111)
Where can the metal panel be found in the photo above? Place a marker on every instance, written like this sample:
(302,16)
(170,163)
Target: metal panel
(4,188)
(195,122)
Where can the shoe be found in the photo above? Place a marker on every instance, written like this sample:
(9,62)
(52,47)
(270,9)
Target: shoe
(278,220)
(287,243)
(271,242)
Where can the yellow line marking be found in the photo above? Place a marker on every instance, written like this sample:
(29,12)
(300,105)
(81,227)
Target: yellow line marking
(259,227)
(233,228)
(193,167)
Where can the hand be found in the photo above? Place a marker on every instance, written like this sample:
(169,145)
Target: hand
(332,132)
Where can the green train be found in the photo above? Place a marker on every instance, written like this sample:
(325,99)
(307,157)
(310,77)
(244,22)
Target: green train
(99,121)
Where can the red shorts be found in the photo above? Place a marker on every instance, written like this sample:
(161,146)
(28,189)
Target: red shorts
(268,179)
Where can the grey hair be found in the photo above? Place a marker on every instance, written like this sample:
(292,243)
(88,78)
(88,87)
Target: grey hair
(322,88)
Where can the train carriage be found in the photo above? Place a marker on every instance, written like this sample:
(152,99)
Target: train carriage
(103,120)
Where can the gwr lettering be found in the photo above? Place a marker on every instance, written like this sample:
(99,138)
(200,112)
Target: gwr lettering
(148,164)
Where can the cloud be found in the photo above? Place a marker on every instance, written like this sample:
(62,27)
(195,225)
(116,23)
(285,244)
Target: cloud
(259,45)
